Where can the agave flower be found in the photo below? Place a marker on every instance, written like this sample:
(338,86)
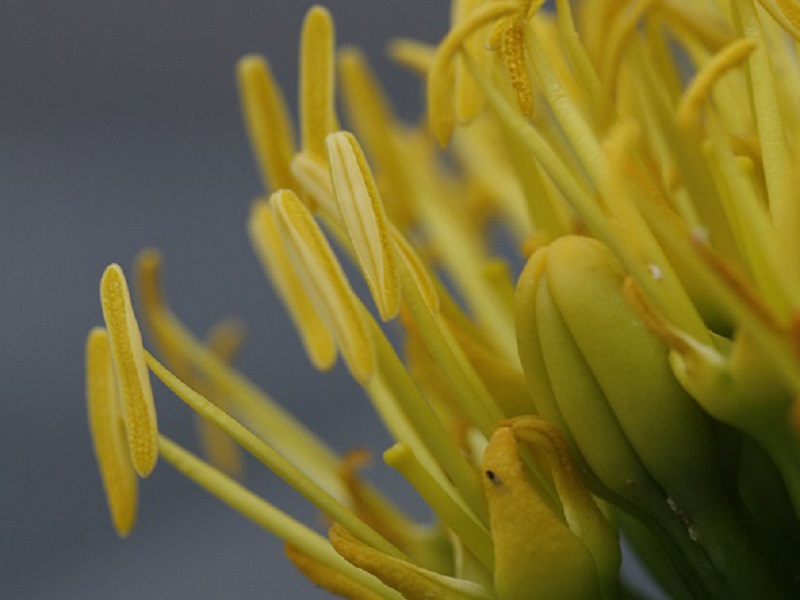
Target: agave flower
(638,377)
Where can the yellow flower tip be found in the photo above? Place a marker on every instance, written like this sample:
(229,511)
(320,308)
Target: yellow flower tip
(108,434)
(363,214)
(128,356)
(317,339)
(536,555)
(317,95)
(325,283)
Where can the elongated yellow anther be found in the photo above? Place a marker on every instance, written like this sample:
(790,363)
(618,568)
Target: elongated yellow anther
(267,121)
(440,106)
(730,57)
(325,282)
(313,176)
(512,51)
(108,433)
(363,215)
(408,579)
(316,338)
(317,87)
(129,363)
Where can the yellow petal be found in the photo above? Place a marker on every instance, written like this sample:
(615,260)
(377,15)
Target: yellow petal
(129,363)
(367,226)
(108,434)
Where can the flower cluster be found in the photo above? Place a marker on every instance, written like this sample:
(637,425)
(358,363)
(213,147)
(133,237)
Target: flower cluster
(638,377)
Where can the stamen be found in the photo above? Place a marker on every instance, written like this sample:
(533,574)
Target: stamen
(267,122)
(420,274)
(727,59)
(362,211)
(415,56)
(512,51)
(456,516)
(314,178)
(129,363)
(325,282)
(440,109)
(786,13)
(108,433)
(316,337)
(317,94)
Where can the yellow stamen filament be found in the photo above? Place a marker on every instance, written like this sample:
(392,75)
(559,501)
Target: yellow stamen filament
(408,579)
(325,282)
(223,340)
(317,340)
(268,419)
(472,533)
(368,228)
(265,515)
(419,273)
(267,122)
(440,108)
(622,31)
(127,352)
(727,59)
(698,20)
(468,98)
(317,101)
(274,461)
(108,433)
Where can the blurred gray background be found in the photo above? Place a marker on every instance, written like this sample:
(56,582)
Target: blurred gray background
(120,128)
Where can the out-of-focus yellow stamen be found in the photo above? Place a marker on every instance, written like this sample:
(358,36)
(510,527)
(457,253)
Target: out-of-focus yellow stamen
(786,13)
(415,56)
(408,579)
(267,122)
(317,340)
(325,282)
(730,57)
(127,351)
(108,433)
(440,108)
(362,212)
(317,89)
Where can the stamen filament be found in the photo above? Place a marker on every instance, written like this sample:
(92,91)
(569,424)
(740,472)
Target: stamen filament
(274,461)
(473,534)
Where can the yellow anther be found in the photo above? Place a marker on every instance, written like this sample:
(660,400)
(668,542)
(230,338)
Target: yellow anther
(317,88)
(267,122)
(129,363)
(362,211)
(512,51)
(316,337)
(420,274)
(108,433)
(440,107)
(325,282)
(312,175)
(730,57)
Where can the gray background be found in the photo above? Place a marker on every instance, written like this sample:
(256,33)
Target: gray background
(120,128)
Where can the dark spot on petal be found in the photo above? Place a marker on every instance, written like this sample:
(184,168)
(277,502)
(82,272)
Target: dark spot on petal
(493,477)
